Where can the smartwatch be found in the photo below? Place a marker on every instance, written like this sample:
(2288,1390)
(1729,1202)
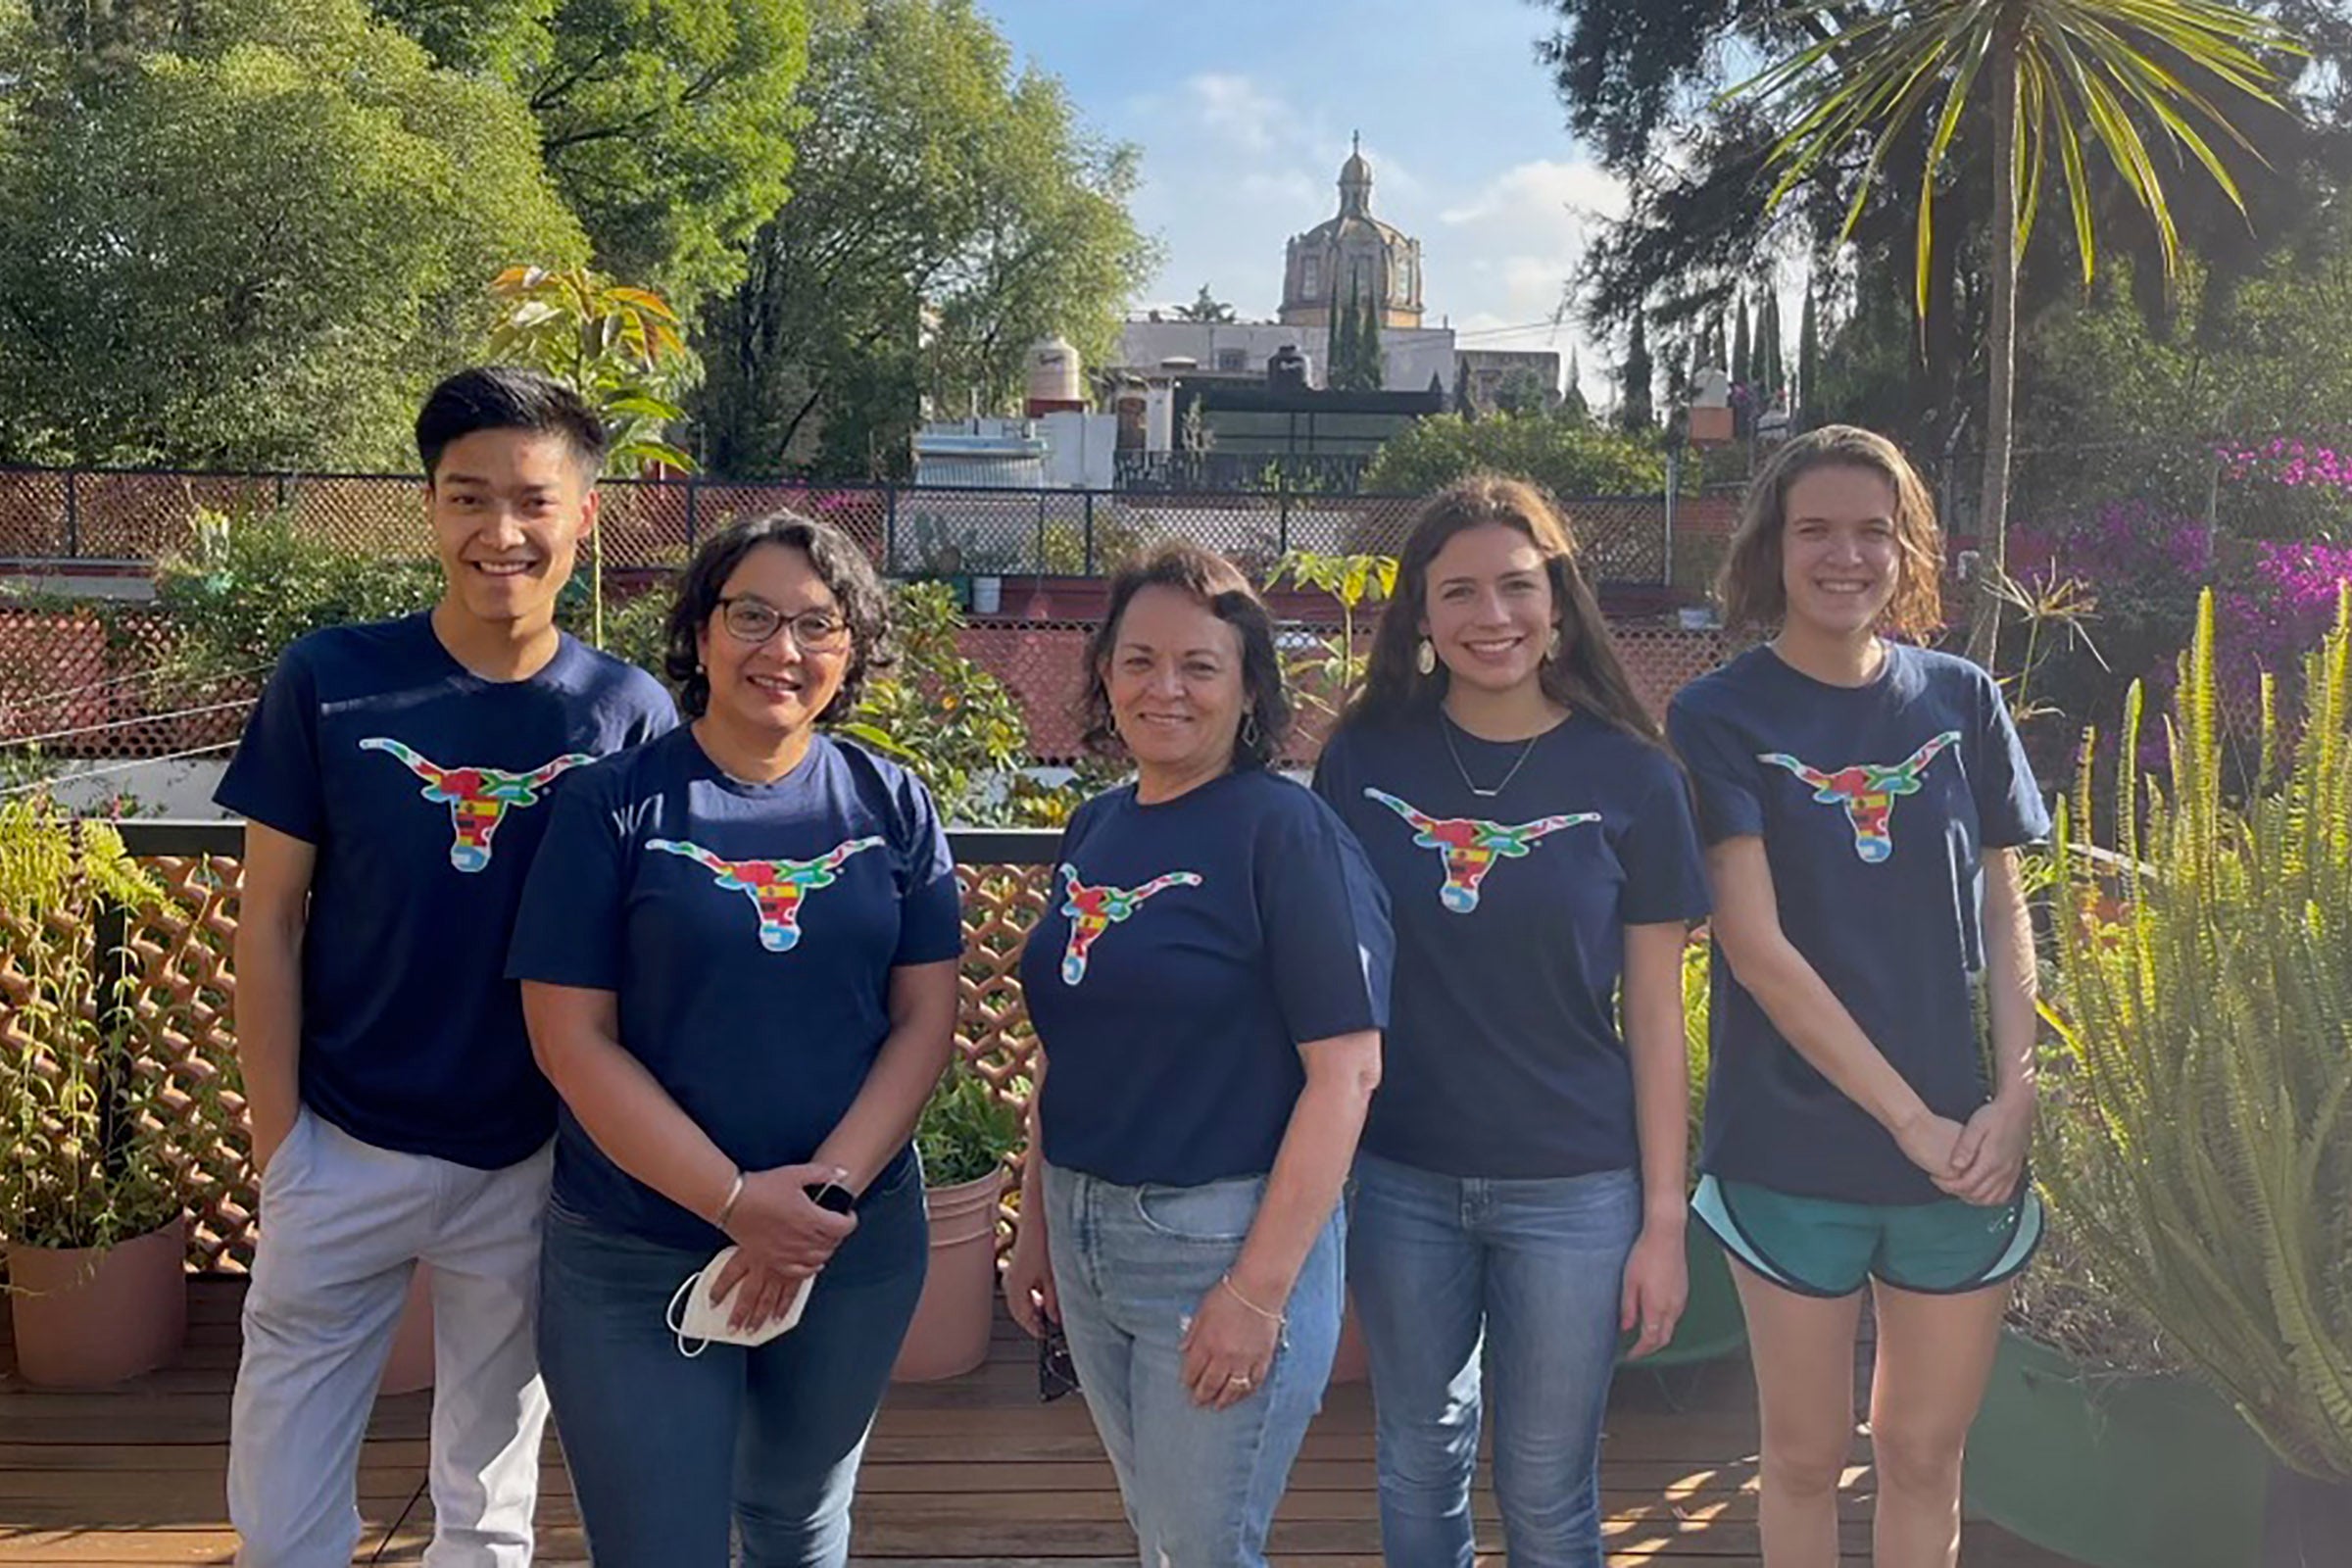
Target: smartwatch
(832,1197)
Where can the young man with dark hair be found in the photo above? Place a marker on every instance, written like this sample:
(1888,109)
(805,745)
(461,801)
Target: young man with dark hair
(394,778)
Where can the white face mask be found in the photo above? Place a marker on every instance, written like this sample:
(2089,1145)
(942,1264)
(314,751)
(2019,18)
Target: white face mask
(700,1322)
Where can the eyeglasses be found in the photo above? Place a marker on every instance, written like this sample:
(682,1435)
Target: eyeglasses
(756,621)
(1056,1373)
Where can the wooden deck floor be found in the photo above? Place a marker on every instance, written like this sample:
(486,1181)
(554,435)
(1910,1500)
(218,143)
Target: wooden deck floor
(959,1475)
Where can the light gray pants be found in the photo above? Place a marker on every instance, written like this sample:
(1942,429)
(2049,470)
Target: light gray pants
(344,1225)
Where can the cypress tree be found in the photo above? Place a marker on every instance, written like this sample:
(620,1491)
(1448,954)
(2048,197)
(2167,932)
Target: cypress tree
(1339,369)
(1572,400)
(1807,401)
(1634,410)
(1463,404)
(1370,374)
(1742,368)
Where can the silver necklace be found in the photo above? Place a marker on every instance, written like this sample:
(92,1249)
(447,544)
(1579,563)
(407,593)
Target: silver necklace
(1445,728)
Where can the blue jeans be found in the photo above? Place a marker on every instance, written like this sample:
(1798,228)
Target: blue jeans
(1532,1269)
(668,1450)
(1131,1264)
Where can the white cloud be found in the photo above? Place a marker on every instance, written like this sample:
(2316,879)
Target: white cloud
(1288,189)
(1237,109)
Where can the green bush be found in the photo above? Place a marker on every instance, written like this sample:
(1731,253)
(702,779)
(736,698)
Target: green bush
(1565,455)
(253,582)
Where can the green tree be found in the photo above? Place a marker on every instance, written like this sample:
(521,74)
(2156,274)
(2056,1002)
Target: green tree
(1742,371)
(1339,373)
(948,211)
(1565,458)
(1370,374)
(250,238)
(2058,72)
(1770,382)
(1573,406)
(1463,403)
(1206,308)
(668,125)
(1521,392)
(1642,86)
(1807,406)
(1634,412)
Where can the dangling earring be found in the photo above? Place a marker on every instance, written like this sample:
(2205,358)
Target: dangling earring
(1425,657)
(1551,649)
(1250,730)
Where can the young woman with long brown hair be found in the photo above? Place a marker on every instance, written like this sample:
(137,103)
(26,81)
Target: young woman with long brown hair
(1520,1181)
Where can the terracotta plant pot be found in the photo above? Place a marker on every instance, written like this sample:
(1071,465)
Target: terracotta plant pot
(89,1316)
(958,1310)
(408,1369)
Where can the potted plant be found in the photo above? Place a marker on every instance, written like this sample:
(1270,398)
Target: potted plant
(90,1210)
(1712,1325)
(2201,997)
(965,1135)
(2094,1441)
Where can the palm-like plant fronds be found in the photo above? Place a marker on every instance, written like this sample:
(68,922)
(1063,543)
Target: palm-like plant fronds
(2115,73)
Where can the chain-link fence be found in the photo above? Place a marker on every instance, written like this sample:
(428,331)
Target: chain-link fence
(126,516)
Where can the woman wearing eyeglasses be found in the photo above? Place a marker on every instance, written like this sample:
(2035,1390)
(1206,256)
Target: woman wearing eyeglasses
(738,952)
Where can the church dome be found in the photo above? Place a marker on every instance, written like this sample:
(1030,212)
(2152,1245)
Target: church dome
(1350,255)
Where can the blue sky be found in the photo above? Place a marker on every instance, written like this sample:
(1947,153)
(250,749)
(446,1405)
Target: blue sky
(1242,112)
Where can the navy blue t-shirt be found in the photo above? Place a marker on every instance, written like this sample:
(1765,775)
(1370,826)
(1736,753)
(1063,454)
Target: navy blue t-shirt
(1877,805)
(749,932)
(1503,1056)
(424,789)
(1186,951)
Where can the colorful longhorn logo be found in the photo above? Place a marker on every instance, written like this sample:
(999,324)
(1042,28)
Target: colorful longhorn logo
(1866,791)
(774,886)
(477,798)
(1095,911)
(1469,849)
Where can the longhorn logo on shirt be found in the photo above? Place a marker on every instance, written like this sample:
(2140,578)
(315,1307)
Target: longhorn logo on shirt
(1469,849)
(1866,791)
(478,798)
(1095,911)
(774,886)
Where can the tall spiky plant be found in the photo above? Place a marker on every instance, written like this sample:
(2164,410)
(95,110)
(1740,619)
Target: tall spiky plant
(81,1164)
(2199,1144)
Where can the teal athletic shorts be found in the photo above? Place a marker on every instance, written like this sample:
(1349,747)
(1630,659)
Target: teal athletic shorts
(1822,1247)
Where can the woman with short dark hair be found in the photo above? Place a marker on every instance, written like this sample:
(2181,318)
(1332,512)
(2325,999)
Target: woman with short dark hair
(738,953)
(1209,980)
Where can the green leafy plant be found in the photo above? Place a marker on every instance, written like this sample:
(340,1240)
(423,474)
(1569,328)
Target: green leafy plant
(948,721)
(617,347)
(2198,1135)
(79,1166)
(965,1131)
(1325,677)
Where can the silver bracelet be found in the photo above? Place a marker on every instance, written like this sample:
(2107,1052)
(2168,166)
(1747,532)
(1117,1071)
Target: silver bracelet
(726,1209)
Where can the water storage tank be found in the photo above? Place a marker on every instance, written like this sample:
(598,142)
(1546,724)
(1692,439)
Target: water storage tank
(1054,379)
